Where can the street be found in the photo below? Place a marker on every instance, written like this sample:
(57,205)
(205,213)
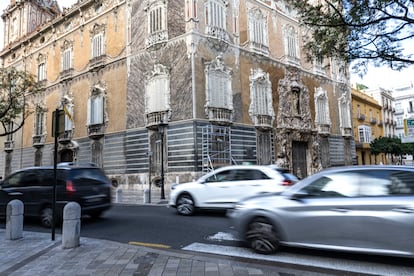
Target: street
(160,227)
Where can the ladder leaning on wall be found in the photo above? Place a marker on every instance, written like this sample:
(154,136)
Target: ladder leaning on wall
(216,147)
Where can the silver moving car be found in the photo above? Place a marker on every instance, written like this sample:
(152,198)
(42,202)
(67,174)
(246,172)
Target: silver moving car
(364,209)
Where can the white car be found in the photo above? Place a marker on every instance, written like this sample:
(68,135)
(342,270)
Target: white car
(222,188)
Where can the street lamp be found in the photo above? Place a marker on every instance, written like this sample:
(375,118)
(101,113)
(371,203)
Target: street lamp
(161,131)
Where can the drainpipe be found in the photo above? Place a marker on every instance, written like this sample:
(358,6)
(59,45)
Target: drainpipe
(193,82)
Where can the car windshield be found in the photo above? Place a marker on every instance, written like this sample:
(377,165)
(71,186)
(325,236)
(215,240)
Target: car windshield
(86,176)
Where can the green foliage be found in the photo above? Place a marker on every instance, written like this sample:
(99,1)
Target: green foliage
(388,145)
(358,30)
(15,86)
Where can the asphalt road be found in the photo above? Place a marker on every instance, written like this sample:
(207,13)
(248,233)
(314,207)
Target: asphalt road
(208,232)
(157,225)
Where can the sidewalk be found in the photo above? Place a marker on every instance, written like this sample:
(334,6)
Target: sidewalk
(36,254)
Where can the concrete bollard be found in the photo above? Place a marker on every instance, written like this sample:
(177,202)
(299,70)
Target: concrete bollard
(14,220)
(118,195)
(71,225)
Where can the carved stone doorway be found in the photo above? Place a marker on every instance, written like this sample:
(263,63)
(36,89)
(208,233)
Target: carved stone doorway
(299,160)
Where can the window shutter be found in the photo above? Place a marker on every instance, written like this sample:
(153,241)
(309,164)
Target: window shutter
(98,110)
(89,111)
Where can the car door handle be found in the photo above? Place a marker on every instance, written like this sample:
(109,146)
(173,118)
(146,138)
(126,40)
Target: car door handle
(15,193)
(340,210)
(406,210)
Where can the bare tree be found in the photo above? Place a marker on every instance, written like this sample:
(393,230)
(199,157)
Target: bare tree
(359,31)
(15,87)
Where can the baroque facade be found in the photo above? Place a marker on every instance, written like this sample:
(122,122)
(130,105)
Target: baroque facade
(182,87)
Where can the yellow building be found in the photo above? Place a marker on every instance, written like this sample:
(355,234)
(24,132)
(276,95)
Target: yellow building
(368,125)
(79,55)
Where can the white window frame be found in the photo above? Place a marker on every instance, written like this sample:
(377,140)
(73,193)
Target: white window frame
(96,104)
(260,93)
(98,45)
(157,90)
(157,18)
(39,122)
(41,71)
(67,59)
(322,116)
(218,85)
(258,27)
(215,13)
(291,42)
(365,134)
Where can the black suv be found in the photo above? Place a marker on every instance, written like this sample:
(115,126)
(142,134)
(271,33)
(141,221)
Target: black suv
(84,184)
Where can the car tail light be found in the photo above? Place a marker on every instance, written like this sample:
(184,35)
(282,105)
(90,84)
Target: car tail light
(287,182)
(69,186)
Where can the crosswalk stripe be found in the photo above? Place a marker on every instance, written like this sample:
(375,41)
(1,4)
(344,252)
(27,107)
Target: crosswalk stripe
(355,266)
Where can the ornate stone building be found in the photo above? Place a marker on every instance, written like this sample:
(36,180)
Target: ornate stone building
(191,85)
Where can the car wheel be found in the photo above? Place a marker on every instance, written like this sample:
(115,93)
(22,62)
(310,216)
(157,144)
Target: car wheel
(262,237)
(46,216)
(185,205)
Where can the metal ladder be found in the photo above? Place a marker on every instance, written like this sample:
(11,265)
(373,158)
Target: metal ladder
(216,147)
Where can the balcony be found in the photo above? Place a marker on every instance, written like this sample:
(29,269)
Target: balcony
(324,129)
(217,32)
(399,111)
(97,62)
(346,132)
(220,116)
(156,118)
(380,123)
(96,131)
(156,39)
(66,137)
(373,121)
(318,69)
(39,141)
(217,38)
(361,117)
(294,61)
(259,48)
(8,146)
(263,122)
(66,74)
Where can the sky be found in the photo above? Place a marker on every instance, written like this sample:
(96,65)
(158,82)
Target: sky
(376,77)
